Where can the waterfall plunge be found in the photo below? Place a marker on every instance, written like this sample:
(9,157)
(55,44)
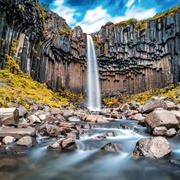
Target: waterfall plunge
(94,100)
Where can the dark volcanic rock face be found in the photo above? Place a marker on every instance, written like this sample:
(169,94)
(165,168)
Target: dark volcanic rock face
(130,60)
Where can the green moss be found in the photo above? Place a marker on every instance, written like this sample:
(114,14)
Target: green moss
(11,65)
(20,88)
(65,31)
(97,41)
(171,93)
(170,12)
(142,24)
(14,45)
(34,51)
(125,23)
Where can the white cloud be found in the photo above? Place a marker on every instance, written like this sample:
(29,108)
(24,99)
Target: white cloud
(139,13)
(98,17)
(129,3)
(94,19)
(64,11)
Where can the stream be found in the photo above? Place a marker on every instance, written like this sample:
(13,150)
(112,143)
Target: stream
(88,162)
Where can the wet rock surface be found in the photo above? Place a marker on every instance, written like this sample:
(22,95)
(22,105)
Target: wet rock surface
(155,147)
(112,147)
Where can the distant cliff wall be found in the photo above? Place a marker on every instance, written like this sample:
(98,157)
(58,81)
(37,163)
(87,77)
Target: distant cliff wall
(131,60)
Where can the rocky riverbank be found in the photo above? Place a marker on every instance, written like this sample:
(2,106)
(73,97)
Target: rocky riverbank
(20,128)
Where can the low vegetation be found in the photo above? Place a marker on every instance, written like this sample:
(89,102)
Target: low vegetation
(171,93)
(65,31)
(22,89)
(141,25)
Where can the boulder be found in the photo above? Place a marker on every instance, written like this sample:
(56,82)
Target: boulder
(22,111)
(159,131)
(80,114)
(27,141)
(133,105)
(112,147)
(125,107)
(67,113)
(55,111)
(138,117)
(73,118)
(169,105)
(177,114)
(9,116)
(8,140)
(154,147)
(17,132)
(170,132)
(106,112)
(152,104)
(64,143)
(67,124)
(115,114)
(161,118)
(49,130)
(92,118)
(68,143)
(33,119)
(101,120)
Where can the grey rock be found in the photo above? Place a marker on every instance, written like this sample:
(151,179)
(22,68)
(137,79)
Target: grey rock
(154,147)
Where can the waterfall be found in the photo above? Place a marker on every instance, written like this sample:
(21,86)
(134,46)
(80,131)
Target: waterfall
(94,96)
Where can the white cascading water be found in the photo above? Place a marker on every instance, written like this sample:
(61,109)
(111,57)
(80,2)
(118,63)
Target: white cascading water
(94,96)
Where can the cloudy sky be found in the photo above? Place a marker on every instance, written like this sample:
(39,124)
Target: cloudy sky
(92,14)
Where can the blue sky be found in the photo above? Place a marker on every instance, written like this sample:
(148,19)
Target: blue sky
(92,14)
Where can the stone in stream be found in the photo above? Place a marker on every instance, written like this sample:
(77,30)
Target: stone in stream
(112,147)
(8,140)
(9,116)
(171,132)
(64,143)
(27,141)
(8,164)
(49,130)
(161,118)
(67,113)
(154,147)
(159,131)
(33,119)
(17,132)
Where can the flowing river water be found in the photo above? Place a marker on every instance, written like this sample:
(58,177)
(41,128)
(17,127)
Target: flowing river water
(88,162)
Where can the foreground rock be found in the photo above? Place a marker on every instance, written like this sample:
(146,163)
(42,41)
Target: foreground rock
(9,116)
(27,141)
(49,130)
(155,147)
(64,143)
(112,147)
(152,104)
(8,140)
(160,118)
(17,132)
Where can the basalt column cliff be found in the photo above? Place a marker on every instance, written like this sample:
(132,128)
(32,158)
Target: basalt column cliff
(133,56)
